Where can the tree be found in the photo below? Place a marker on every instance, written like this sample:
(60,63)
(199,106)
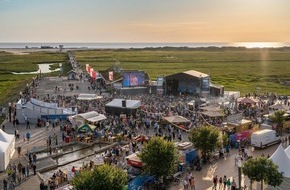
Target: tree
(205,139)
(262,170)
(160,157)
(103,177)
(279,119)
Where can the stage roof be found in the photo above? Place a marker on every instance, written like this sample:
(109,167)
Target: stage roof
(190,73)
(196,74)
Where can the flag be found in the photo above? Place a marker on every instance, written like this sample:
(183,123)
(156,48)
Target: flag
(87,67)
(91,72)
(94,74)
(111,75)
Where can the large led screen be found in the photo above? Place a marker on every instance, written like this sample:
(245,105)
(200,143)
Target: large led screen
(135,78)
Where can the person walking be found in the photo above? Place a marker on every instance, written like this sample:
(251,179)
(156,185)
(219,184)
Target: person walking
(192,183)
(34,168)
(215,180)
(28,136)
(27,124)
(5,184)
(234,185)
(27,169)
(221,183)
(228,183)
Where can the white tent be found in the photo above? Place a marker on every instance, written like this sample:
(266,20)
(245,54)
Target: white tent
(287,151)
(7,149)
(92,117)
(281,159)
(131,104)
(89,97)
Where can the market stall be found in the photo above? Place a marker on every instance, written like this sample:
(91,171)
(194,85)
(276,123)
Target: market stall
(178,121)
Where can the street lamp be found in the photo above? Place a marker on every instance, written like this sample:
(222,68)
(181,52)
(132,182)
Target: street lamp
(10,111)
(240,172)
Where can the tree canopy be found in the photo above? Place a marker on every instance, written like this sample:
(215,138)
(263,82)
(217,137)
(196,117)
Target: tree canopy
(159,157)
(262,170)
(205,139)
(279,119)
(103,177)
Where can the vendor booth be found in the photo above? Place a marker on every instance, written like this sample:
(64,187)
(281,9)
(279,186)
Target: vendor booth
(86,128)
(90,117)
(7,149)
(134,160)
(187,153)
(178,121)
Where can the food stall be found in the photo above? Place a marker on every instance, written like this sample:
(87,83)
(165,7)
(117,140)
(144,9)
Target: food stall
(187,154)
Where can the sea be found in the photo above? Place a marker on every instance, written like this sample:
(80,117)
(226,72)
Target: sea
(140,45)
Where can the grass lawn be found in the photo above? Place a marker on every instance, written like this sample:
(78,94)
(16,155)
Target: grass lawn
(240,69)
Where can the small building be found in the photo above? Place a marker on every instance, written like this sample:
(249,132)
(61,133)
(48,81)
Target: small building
(71,75)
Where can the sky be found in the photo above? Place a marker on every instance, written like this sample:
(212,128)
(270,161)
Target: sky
(145,21)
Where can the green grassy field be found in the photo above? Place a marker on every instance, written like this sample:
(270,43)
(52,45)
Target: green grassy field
(10,84)
(245,70)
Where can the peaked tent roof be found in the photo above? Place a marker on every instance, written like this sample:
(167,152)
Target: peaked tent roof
(92,116)
(280,107)
(4,137)
(86,128)
(176,119)
(281,159)
(287,151)
(89,97)
(247,101)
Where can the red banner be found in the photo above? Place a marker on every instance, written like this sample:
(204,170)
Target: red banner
(94,74)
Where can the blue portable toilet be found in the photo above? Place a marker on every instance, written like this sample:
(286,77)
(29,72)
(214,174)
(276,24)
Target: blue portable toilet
(139,181)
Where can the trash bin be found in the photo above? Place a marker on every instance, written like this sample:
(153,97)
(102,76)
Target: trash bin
(67,139)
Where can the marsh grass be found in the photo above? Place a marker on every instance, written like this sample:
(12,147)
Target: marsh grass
(10,84)
(245,70)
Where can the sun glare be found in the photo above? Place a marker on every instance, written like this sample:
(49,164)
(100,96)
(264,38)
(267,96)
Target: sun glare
(259,44)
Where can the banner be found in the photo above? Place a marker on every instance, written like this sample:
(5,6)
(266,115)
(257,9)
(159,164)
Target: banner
(91,72)
(87,67)
(111,75)
(94,75)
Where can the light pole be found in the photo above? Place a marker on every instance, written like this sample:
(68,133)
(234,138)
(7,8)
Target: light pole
(240,173)
(10,111)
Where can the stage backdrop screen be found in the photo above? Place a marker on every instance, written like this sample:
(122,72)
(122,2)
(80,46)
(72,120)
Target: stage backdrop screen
(134,78)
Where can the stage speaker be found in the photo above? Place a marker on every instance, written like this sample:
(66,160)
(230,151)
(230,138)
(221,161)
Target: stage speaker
(124,103)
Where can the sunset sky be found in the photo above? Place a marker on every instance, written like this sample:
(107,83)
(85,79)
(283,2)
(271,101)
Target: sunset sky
(144,20)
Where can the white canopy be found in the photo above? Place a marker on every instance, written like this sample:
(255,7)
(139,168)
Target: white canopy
(133,104)
(5,137)
(280,107)
(7,149)
(92,116)
(281,159)
(89,97)
(176,119)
